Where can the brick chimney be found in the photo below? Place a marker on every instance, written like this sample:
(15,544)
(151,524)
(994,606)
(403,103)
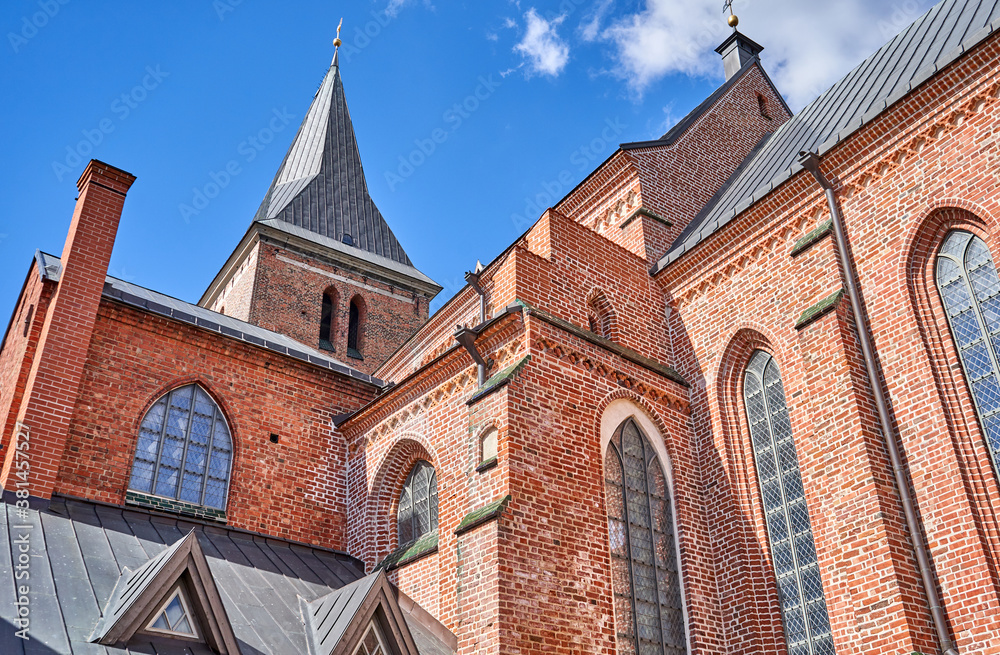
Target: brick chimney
(53,383)
(736,52)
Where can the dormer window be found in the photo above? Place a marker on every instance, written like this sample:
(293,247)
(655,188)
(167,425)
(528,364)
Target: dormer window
(174,618)
(373,643)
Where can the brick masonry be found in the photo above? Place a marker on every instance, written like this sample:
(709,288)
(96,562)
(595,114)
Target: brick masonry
(535,578)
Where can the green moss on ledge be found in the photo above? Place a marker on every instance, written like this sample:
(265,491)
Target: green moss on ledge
(824,306)
(483,515)
(423,546)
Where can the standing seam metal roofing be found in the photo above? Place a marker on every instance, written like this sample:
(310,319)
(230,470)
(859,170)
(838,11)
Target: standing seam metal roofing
(320,185)
(934,41)
(78,550)
(158,303)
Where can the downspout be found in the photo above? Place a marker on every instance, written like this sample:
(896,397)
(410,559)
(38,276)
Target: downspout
(810,161)
(473,280)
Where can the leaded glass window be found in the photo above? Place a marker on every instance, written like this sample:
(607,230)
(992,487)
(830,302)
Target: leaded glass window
(417,514)
(793,552)
(970,292)
(184,449)
(649,613)
(373,642)
(174,618)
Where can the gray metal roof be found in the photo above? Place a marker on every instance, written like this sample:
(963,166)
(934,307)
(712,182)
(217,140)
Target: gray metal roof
(934,41)
(330,616)
(78,551)
(321,185)
(158,303)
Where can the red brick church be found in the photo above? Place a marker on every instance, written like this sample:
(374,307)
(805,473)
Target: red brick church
(737,393)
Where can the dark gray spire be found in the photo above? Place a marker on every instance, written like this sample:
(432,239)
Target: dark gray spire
(321,186)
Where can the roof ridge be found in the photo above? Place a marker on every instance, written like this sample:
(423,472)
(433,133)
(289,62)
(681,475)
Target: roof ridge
(320,185)
(936,39)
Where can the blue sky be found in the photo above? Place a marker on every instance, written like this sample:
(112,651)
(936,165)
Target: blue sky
(532,94)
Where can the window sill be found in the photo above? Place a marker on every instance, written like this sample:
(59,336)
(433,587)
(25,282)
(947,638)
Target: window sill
(354,354)
(487,465)
(172,506)
(327,346)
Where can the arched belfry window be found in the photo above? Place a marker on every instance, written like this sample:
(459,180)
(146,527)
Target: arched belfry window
(184,450)
(354,327)
(970,292)
(327,333)
(417,514)
(793,551)
(649,613)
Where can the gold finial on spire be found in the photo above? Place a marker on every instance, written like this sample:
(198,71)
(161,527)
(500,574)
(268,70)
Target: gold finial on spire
(733,20)
(337,41)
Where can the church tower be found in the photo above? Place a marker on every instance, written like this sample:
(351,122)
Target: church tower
(319,263)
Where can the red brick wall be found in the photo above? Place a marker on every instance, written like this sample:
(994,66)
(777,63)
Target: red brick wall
(925,166)
(53,382)
(18,350)
(237,297)
(675,181)
(288,298)
(294,489)
(426,417)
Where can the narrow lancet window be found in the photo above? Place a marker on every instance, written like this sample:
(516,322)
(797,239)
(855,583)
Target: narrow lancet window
(326,327)
(793,551)
(354,329)
(417,514)
(970,292)
(648,607)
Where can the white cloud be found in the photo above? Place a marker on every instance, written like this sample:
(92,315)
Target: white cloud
(492,36)
(590,28)
(807,47)
(392,9)
(544,50)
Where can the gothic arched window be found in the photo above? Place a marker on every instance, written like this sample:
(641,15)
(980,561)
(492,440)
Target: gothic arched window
(793,551)
(970,292)
(417,514)
(649,613)
(355,317)
(184,450)
(326,325)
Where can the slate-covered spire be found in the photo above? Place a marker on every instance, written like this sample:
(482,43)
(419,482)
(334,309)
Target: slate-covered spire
(321,186)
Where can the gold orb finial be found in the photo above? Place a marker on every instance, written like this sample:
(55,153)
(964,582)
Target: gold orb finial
(337,42)
(733,20)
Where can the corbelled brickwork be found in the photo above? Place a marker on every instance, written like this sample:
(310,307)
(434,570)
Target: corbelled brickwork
(586,338)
